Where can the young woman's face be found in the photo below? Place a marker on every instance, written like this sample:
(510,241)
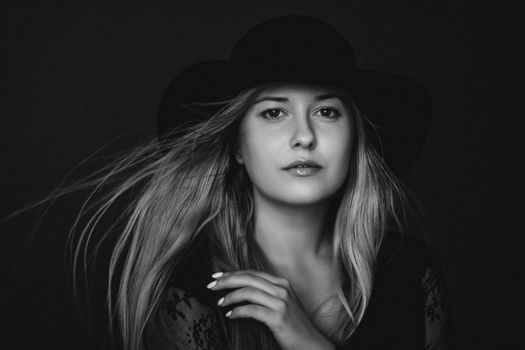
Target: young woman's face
(295,123)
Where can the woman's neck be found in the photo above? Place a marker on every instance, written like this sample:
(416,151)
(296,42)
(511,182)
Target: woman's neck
(291,235)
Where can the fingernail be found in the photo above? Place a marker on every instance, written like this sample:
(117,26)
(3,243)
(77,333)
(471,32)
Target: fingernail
(217,274)
(221,300)
(211,284)
(228,313)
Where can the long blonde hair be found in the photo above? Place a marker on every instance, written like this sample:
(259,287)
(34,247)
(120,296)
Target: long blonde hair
(188,185)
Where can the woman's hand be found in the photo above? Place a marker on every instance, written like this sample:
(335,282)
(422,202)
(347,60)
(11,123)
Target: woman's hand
(271,301)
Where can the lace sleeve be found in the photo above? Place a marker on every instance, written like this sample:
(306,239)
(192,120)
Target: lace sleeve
(434,311)
(182,322)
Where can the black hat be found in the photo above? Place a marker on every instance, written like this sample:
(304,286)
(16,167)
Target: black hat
(305,50)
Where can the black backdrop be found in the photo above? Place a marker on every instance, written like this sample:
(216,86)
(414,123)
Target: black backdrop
(77,77)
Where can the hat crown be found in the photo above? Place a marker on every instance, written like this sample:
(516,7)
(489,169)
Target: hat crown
(295,40)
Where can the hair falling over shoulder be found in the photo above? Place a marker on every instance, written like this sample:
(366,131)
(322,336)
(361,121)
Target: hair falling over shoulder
(188,185)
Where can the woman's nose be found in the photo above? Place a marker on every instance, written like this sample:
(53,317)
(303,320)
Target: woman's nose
(304,134)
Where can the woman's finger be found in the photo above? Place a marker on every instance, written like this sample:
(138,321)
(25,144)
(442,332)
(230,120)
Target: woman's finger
(271,278)
(257,312)
(280,281)
(239,280)
(252,295)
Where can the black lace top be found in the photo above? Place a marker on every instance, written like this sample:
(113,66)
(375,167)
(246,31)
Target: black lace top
(406,309)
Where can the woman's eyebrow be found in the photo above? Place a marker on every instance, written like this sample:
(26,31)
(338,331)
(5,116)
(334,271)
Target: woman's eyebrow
(271,98)
(285,99)
(326,97)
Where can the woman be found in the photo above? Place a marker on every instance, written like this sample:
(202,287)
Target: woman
(269,215)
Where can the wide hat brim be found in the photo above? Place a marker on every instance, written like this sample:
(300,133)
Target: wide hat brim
(399,107)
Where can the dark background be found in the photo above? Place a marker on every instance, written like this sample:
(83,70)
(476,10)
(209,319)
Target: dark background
(77,77)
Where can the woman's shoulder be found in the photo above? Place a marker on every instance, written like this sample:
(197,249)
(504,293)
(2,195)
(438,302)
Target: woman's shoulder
(407,301)
(193,273)
(408,269)
(407,253)
(183,321)
(187,315)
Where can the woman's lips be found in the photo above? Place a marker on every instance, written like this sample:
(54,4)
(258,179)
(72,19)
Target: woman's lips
(303,171)
(302,163)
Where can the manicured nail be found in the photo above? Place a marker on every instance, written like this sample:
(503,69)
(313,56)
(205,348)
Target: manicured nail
(217,274)
(228,313)
(212,284)
(221,300)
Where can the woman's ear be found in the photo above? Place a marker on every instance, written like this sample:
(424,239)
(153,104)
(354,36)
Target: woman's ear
(238,157)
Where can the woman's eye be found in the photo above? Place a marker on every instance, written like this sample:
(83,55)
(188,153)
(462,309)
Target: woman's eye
(330,113)
(271,113)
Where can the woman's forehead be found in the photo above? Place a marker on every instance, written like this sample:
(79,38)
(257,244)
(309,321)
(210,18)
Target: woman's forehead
(291,89)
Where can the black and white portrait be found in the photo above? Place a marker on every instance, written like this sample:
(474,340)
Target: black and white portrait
(275,175)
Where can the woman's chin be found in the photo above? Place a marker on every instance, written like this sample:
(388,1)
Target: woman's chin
(297,194)
(303,198)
